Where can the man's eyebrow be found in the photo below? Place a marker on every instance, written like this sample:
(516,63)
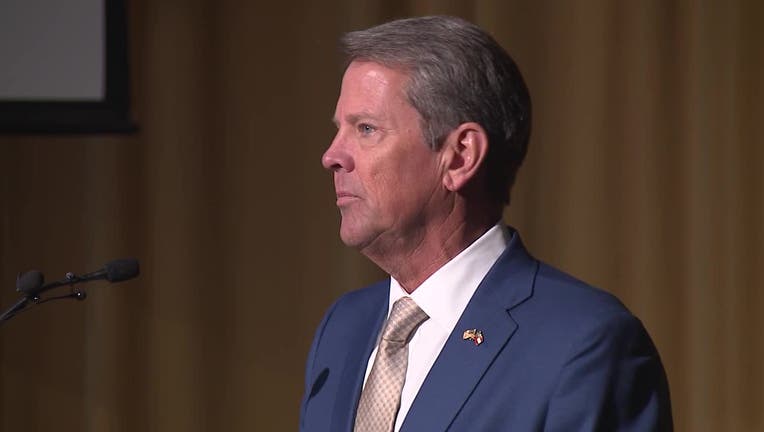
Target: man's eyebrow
(356,117)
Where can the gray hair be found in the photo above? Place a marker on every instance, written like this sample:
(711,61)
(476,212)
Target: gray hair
(457,73)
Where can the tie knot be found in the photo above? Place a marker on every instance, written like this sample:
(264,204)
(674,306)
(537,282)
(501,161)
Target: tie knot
(405,317)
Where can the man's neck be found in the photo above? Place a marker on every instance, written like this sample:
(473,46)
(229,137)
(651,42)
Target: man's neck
(412,260)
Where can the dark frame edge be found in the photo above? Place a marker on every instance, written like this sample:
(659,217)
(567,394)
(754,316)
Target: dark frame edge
(112,115)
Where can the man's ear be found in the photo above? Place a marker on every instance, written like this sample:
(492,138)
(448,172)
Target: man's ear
(464,155)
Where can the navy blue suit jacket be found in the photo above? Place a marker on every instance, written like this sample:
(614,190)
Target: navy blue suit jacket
(557,355)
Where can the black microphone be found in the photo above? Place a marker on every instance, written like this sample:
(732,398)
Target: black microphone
(30,282)
(122,270)
(114,271)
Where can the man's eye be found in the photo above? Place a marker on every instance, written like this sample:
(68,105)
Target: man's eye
(366,129)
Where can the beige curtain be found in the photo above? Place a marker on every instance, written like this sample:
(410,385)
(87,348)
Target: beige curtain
(644,177)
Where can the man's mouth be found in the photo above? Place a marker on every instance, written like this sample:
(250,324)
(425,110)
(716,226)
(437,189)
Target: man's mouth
(344,198)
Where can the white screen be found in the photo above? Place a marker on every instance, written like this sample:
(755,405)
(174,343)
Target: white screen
(52,50)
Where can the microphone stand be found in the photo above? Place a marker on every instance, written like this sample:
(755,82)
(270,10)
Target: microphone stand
(10,312)
(31,284)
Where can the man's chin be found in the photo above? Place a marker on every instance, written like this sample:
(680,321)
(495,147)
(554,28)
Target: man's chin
(354,237)
(352,240)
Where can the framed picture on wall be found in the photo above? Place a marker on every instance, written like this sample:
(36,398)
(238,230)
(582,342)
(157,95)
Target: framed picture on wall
(64,67)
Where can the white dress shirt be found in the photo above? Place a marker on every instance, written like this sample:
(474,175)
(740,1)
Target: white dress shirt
(443,297)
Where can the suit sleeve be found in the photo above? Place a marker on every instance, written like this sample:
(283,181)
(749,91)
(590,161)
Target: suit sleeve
(613,380)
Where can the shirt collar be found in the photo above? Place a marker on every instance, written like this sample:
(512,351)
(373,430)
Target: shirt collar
(445,294)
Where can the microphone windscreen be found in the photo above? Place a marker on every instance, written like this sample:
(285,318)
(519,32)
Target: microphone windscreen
(121,270)
(30,282)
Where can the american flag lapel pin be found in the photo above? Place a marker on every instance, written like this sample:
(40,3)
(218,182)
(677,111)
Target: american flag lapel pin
(474,335)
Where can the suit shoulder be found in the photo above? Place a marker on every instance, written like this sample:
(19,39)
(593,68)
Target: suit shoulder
(373,294)
(356,304)
(572,316)
(343,317)
(570,298)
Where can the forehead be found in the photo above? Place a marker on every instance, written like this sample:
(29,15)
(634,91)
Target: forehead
(372,86)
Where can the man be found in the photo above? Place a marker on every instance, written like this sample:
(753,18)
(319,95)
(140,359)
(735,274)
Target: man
(470,333)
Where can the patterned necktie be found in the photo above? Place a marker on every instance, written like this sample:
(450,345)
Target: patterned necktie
(381,396)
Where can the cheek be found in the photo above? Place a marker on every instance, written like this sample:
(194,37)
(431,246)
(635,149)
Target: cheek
(400,178)
(417,171)
(404,186)
(384,191)
(381,186)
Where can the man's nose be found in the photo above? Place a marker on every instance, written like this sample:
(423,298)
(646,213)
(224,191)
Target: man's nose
(336,157)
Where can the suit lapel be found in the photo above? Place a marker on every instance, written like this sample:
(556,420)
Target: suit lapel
(368,321)
(461,364)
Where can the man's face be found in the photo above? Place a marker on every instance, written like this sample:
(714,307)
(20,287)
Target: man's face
(387,180)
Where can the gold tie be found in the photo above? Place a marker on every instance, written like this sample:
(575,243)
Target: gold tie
(381,396)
